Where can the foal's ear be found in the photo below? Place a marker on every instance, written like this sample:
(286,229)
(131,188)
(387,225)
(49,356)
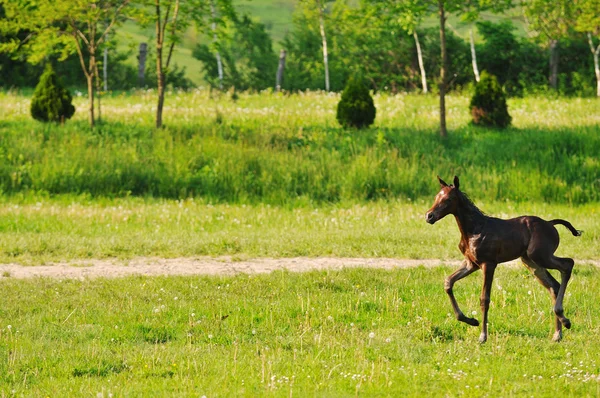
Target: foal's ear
(442,182)
(456,182)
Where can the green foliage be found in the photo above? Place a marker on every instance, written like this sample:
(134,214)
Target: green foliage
(500,54)
(575,64)
(247,53)
(459,59)
(175,75)
(521,66)
(51,102)
(360,40)
(356,107)
(488,105)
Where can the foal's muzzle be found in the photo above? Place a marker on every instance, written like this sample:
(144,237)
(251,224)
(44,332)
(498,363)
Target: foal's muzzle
(430,218)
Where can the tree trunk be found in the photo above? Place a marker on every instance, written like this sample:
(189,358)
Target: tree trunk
(90,85)
(217,55)
(595,53)
(105,69)
(160,75)
(142,64)
(161,99)
(99,94)
(553,78)
(443,73)
(421,65)
(325,57)
(280,70)
(474,56)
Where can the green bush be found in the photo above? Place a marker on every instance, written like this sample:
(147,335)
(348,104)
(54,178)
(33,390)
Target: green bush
(356,108)
(51,102)
(488,105)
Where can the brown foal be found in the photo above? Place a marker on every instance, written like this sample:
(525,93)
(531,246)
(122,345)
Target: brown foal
(487,241)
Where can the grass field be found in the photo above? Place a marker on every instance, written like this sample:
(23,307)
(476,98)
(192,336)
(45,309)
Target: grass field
(39,230)
(354,332)
(273,175)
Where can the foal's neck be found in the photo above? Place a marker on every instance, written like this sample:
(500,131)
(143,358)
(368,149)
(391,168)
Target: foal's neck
(469,218)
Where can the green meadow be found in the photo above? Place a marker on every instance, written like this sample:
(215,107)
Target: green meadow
(345,333)
(39,230)
(273,175)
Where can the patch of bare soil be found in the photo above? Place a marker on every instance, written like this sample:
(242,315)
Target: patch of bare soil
(209,266)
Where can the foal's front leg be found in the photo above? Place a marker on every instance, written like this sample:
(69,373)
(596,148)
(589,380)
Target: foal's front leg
(488,276)
(466,269)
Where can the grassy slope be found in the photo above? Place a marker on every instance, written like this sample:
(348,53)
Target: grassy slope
(276,15)
(131,35)
(326,333)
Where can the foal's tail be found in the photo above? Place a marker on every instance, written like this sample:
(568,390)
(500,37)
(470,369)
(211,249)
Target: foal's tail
(575,232)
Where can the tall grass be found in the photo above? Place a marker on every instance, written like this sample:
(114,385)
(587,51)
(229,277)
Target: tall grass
(278,149)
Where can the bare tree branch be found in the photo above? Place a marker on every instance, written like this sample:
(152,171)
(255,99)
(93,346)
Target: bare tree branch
(112,22)
(165,23)
(173,30)
(81,58)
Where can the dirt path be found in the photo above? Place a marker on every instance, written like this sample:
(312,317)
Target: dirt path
(210,266)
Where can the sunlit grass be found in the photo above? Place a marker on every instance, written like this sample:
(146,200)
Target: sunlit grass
(325,333)
(35,230)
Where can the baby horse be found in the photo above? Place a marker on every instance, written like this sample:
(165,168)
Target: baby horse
(487,241)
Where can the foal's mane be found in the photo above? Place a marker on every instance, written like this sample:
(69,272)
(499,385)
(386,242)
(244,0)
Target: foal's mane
(468,203)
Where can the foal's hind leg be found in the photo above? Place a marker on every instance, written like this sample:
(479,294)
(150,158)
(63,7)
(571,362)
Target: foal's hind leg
(565,266)
(566,269)
(548,281)
(466,269)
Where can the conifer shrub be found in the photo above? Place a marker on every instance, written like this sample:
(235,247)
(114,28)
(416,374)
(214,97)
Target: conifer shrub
(51,102)
(356,107)
(488,105)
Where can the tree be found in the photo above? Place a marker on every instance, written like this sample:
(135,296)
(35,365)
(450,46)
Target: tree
(321,7)
(412,11)
(551,20)
(445,7)
(64,27)
(318,7)
(171,19)
(51,102)
(248,60)
(407,15)
(500,50)
(488,104)
(588,21)
(356,107)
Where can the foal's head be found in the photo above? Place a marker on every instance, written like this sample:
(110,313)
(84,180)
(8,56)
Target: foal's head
(446,202)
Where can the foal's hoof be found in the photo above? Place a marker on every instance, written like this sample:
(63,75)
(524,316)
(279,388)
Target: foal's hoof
(557,336)
(482,338)
(566,323)
(469,321)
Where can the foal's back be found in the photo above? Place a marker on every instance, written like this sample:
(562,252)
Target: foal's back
(505,240)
